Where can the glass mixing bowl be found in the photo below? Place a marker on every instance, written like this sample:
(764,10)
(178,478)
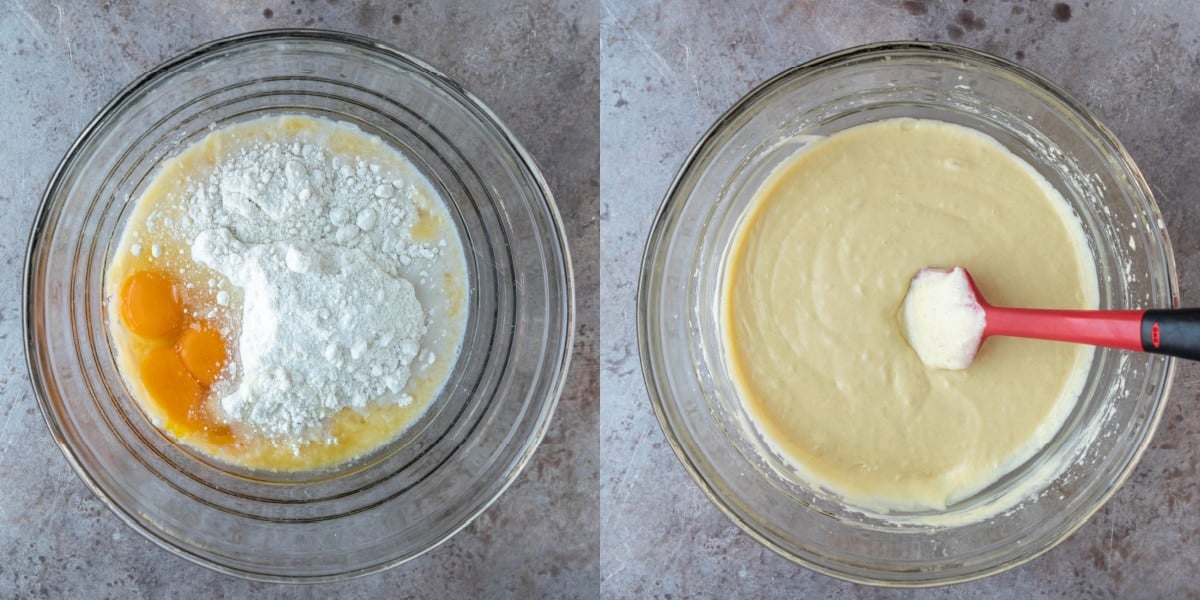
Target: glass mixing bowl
(1032,508)
(410,495)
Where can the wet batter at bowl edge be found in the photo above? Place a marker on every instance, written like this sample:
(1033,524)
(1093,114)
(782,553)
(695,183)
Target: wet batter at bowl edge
(813,283)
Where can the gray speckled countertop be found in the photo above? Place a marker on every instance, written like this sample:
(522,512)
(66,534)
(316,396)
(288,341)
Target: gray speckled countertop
(534,65)
(668,69)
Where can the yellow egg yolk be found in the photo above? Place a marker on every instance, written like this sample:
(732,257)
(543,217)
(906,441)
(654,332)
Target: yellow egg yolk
(202,350)
(150,304)
(171,385)
(179,372)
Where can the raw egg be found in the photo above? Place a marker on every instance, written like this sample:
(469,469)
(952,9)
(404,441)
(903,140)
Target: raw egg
(150,304)
(184,360)
(173,388)
(202,350)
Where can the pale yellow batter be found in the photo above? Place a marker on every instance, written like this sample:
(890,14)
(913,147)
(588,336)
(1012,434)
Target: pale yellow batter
(814,280)
(151,243)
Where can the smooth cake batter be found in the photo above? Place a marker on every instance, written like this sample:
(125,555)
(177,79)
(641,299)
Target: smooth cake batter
(812,290)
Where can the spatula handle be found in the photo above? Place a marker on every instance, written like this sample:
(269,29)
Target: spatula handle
(1172,332)
(1109,328)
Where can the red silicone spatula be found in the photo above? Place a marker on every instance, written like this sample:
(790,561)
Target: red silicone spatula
(1170,332)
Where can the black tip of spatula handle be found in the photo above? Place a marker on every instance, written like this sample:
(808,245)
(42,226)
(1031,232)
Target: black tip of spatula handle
(1172,332)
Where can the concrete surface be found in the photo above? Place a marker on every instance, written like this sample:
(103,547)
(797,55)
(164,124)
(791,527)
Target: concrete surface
(534,64)
(668,69)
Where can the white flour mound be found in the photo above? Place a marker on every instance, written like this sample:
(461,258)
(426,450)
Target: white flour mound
(316,243)
(323,328)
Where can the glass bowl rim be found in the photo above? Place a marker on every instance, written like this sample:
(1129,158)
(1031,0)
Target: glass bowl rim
(660,229)
(38,372)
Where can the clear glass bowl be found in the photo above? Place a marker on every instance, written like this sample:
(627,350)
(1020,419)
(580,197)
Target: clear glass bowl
(401,500)
(1039,503)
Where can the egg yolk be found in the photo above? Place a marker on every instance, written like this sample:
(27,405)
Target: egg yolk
(150,304)
(173,388)
(176,375)
(202,350)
